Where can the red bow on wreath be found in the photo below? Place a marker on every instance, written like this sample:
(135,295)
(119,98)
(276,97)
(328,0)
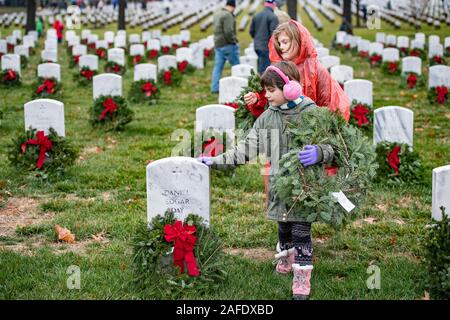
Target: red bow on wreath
(117,68)
(347,46)
(207,53)
(76,59)
(165,49)
(412,80)
(167,77)
(88,74)
(182,66)
(393,159)
(331,171)
(375,59)
(414,53)
(364,54)
(212,148)
(447,49)
(437,59)
(153,54)
(392,67)
(232,104)
(441,93)
(184,239)
(92,46)
(101,53)
(48,85)
(44,143)
(359,113)
(175,46)
(403,50)
(185,43)
(257,108)
(10,75)
(148,88)
(137,59)
(109,107)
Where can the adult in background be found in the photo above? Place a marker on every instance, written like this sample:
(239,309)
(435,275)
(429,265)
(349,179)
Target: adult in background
(261,29)
(225,42)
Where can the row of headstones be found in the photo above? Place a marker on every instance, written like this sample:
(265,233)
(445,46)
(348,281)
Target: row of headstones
(318,24)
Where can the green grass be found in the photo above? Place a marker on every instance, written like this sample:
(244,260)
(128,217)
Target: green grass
(106,193)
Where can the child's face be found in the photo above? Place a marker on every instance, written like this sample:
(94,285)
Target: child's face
(275,96)
(287,49)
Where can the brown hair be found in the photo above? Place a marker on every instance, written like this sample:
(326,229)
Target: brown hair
(272,79)
(291,31)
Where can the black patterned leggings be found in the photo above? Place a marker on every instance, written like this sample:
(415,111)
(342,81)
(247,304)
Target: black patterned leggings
(298,235)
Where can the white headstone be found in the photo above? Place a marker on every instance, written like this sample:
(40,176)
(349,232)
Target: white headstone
(85,33)
(375,48)
(322,52)
(117,55)
(420,37)
(154,44)
(230,88)
(439,76)
(447,42)
(363,45)
(51,44)
(180,185)
(73,41)
(3,46)
(391,40)
(184,54)
(79,50)
(49,55)
(342,73)
(241,70)
(441,192)
(102,44)
(135,38)
(145,71)
(120,42)
(137,50)
(176,39)
(416,44)
(340,35)
(380,37)
(435,50)
(88,60)
(167,61)
(198,57)
(42,114)
(49,70)
(250,52)
(51,33)
(402,42)
(216,117)
(185,35)
(156,34)
(107,84)
(391,54)
(412,64)
(433,40)
(22,51)
(166,41)
(330,61)
(359,90)
(250,60)
(11,61)
(109,36)
(393,124)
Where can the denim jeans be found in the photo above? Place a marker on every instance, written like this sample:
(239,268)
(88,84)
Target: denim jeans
(228,53)
(263,60)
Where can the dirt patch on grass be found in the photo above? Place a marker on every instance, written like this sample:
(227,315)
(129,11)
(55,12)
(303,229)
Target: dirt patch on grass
(21,212)
(259,254)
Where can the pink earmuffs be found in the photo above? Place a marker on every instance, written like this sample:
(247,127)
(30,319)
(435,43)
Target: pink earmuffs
(292,89)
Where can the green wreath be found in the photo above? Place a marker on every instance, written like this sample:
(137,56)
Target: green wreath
(404,83)
(244,117)
(84,80)
(435,98)
(131,62)
(118,116)
(153,262)
(140,94)
(185,67)
(397,163)
(54,92)
(388,68)
(307,192)
(10,78)
(61,155)
(173,80)
(437,60)
(361,116)
(417,52)
(114,67)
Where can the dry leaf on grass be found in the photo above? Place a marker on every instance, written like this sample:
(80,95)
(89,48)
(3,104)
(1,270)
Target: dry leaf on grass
(393,240)
(64,234)
(426,296)
(100,237)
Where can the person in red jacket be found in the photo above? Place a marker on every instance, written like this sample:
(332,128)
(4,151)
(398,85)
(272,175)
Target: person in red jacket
(291,41)
(59,27)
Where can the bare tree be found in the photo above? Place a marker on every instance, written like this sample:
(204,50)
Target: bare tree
(122,5)
(292,8)
(31,15)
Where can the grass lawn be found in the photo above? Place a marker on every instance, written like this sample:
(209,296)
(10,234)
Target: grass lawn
(105,194)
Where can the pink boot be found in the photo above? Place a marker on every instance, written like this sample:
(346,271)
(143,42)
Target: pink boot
(301,285)
(285,259)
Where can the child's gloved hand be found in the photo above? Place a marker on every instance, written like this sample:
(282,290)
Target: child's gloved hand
(205,160)
(309,155)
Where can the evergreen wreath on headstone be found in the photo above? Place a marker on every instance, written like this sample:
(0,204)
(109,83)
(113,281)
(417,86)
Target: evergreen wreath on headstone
(144,91)
(84,76)
(47,88)
(111,113)
(307,192)
(10,78)
(171,77)
(160,251)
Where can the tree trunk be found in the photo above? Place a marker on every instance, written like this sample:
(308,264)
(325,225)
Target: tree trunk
(292,8)
(357,15)
(347,17)
(122,5)
(31,15)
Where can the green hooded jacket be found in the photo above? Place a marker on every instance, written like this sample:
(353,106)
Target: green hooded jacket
(268,136)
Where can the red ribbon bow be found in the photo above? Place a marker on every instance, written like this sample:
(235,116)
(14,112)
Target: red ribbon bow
(149,89)
(331,171)
(10,47)
(393,159)
(207,53)
(137,59)
(392,67)
(44,143)
(153,53)
(414,53)
(76,59)
(109,107)
(359,113)
(347,46)
(403,50)
(232,104)
(88,74)
(412,80)
(48,85)
(165,49)
(374,59)
(182,66)
(438,59)
(212,148)
(101,53)
(364,54)
(257,108)
(448,49)
(185,43)
(168,77)
(441,94)
(117,68)
(175,46)
(10,75)
(184,239)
